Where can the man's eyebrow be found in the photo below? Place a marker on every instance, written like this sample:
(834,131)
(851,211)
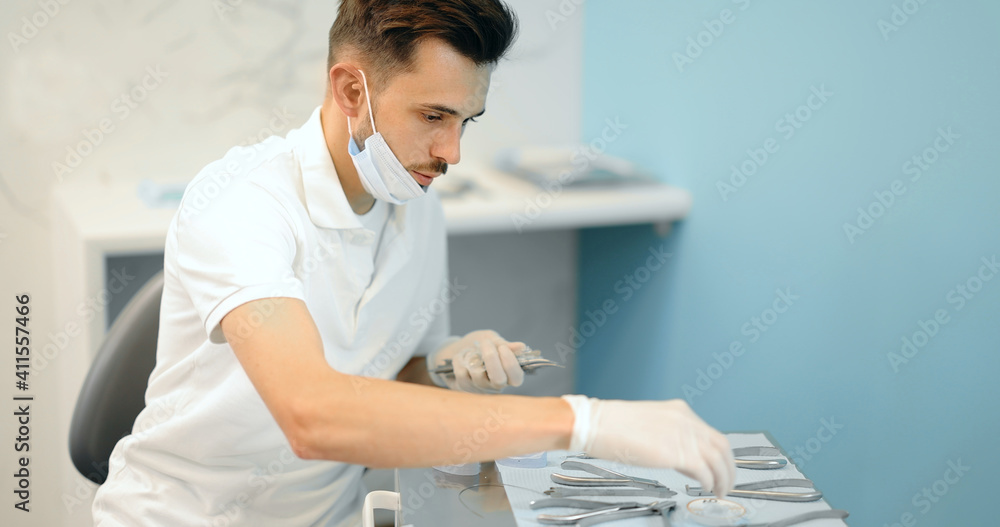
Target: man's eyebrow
(450,111)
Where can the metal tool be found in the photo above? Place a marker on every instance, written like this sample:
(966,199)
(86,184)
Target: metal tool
(605,512)
(756,464)
(661,508)
(759,464)
(529,360)
(545,503)
(569,492)
(752,490)
(609,478)
(835,514)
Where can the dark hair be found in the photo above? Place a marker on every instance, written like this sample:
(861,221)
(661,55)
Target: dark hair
(385,32)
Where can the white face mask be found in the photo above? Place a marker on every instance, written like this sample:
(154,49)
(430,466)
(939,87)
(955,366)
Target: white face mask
(381,173)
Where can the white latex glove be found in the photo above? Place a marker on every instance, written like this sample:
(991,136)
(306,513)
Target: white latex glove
(484,362)
(661,434)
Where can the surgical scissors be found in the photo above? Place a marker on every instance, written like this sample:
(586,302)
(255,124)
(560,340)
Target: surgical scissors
(753,490)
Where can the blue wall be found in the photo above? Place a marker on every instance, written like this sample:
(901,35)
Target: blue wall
(824,362)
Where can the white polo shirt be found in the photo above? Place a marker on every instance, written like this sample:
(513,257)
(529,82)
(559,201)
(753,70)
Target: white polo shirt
(271,221)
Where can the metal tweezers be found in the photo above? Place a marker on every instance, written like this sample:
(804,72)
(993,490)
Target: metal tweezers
(529,360)
(752,490)
(599,512)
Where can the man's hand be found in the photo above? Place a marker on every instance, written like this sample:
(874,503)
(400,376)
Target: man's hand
(663,434)
(484,362)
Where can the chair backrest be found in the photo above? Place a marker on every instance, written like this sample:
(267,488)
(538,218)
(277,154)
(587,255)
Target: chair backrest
(114,391)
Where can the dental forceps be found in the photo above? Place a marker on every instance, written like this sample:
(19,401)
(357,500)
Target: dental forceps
(753,490)
(590,486)
(609,478)
(599,512)
(529,360)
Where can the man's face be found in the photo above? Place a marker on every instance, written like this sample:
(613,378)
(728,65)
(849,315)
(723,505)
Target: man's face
(422,114)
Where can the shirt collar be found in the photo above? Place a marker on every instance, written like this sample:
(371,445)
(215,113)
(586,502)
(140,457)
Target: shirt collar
(325,199)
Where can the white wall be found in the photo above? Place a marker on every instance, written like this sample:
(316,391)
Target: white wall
(223,77)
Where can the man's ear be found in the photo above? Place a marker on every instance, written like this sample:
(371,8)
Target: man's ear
(346,89)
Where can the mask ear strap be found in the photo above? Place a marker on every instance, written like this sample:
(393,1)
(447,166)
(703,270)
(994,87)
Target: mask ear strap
(369,100)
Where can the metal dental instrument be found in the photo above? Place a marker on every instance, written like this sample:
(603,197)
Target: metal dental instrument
(753,490)
(835,514)
(568,492)
(759,464)
(608,512)
(545,503)
(529,360)
(662,508)
(738,453)
(609,478)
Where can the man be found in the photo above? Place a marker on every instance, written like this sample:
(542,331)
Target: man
(298,278)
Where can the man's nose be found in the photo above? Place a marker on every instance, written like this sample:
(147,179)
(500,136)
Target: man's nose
(448,146)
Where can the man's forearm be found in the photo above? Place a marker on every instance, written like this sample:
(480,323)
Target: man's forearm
(385,424)
(326,414)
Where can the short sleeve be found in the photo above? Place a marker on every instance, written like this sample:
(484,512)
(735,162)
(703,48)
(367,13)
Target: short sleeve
(233,248)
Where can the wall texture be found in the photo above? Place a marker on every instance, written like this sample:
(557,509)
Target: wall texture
(834,283)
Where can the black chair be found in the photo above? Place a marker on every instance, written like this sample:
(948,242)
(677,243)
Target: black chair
(114,391)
